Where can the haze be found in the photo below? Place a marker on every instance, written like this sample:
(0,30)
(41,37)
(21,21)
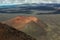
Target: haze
(27,1)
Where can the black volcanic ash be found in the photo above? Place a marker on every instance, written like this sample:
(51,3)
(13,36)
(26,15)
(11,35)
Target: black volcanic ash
(9,33)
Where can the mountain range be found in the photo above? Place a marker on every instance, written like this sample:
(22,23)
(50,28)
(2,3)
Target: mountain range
(29,8)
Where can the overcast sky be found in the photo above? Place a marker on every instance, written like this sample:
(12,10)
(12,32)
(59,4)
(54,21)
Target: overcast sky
(28,1)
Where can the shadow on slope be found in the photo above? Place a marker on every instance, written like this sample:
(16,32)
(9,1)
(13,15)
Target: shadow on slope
(9,33)
(30,25)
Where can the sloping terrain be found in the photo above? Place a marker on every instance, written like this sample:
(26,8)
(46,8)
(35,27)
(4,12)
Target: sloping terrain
(52,20)
(30,25)
(9,33)
(20,21)
(35,30)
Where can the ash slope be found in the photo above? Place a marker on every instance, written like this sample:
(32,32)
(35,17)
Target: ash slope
(19,22)
(9,33)
(35,30)
(30,25)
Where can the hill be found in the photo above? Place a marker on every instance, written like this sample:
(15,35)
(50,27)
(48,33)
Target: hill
(30,25)
(9,33)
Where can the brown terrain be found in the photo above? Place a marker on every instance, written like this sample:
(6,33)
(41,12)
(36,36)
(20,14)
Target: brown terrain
(9,33)
(19,22)
(52,20)
(30,25)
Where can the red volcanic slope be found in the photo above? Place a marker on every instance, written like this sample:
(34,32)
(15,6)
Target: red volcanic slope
(19,22)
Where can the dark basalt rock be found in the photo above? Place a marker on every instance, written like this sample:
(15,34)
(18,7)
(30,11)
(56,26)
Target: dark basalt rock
(9,33)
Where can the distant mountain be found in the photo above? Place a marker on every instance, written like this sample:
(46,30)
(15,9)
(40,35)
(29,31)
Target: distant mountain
(27,8)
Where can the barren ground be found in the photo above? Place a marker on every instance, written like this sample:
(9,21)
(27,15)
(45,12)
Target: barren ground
(52,20)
